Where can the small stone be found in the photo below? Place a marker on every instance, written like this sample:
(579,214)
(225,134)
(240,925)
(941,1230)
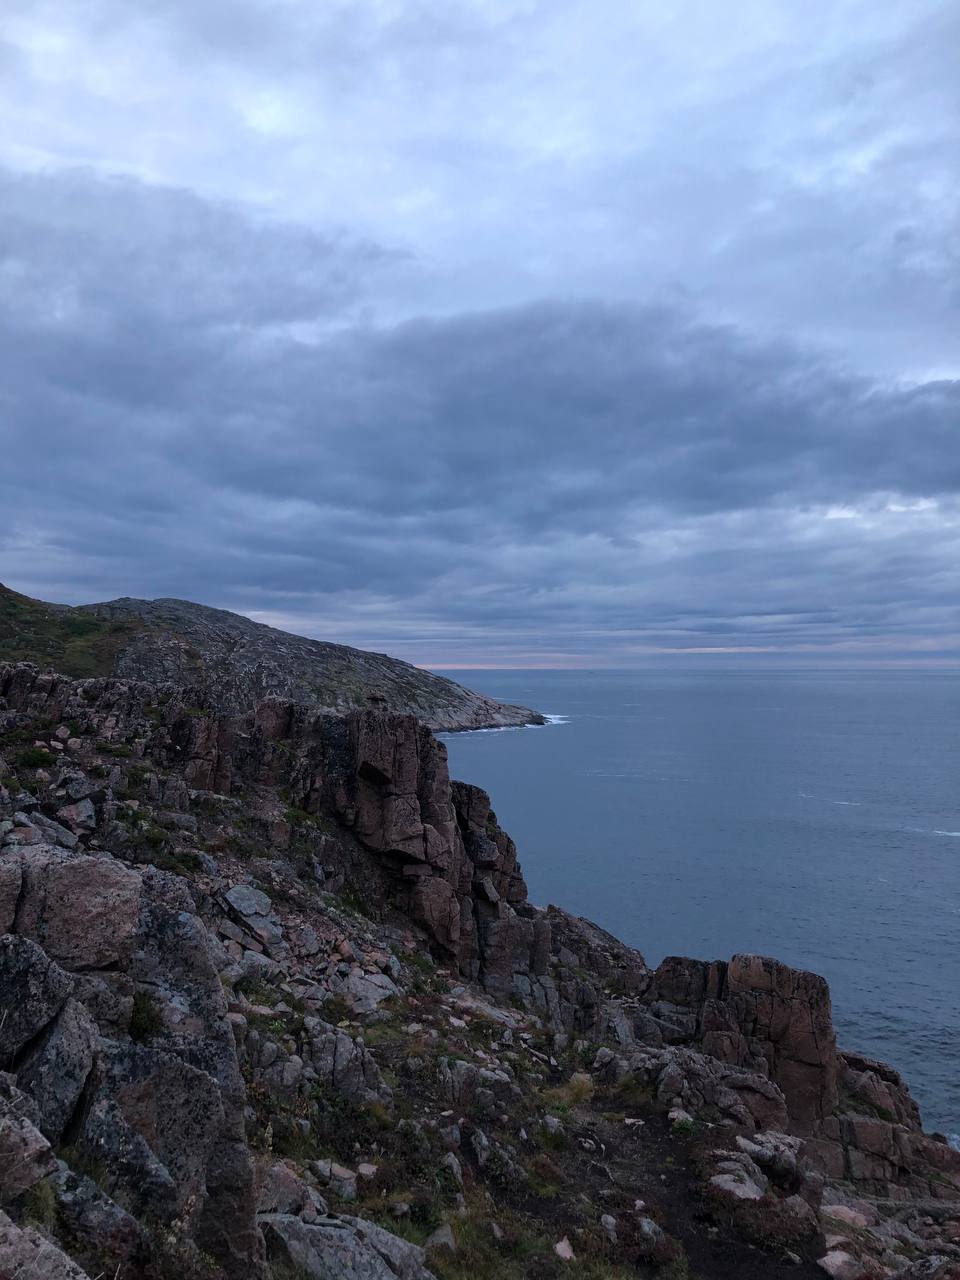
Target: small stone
(841,1213)
(651,1231)
(290,1076)
(442,1238)
(609,1226)
(24,834)
(481,1147)
(343,1182)
(737,1185)
(79,817)
(841,1265)
(227,929)
(248,901)
(564,1250)
(487,889)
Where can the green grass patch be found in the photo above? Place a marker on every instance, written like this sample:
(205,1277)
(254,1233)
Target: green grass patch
(77,644)
(295,817)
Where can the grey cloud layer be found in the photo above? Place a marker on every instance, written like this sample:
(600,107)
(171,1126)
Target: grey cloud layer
(488,330)
(791,169)
(567,479)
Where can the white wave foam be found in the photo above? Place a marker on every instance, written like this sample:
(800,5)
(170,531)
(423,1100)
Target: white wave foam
(953,1140)
(503,728)
(464,733)
(946,833)
(856,804)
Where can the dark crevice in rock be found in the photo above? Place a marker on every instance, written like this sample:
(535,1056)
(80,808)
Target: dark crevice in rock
(74,1126)
(369,773)
(18,909)
(36,1042)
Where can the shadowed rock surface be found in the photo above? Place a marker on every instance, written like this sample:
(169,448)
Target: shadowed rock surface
(273,1003)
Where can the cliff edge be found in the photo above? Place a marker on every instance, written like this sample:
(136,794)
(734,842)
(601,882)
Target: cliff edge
(274,1004)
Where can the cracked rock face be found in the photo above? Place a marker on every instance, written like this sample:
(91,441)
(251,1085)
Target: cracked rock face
(166,1029)
(165,1122)
(438,850)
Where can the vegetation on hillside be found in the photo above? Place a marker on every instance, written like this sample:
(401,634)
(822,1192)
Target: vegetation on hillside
(58,636)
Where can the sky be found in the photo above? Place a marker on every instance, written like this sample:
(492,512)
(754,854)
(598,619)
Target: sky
(490,332)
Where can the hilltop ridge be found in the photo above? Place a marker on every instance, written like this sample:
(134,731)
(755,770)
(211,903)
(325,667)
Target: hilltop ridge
(237,661)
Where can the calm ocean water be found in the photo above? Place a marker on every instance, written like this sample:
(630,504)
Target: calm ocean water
(813,817)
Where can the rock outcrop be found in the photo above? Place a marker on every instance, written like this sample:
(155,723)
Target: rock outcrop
(756,1013)
(237,661)
(267,975)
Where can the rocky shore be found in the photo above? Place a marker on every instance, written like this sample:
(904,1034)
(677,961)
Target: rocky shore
(274,1004)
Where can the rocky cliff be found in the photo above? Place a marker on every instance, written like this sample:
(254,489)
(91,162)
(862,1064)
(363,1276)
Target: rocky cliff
(238,663)
(273,1003)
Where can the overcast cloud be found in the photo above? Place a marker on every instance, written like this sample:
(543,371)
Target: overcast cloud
(489,331)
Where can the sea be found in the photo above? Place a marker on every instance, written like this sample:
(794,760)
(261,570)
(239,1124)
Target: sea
(805,815)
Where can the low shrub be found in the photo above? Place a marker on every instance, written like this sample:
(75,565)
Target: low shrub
(34,758)
(146,1019)
(40,1205)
